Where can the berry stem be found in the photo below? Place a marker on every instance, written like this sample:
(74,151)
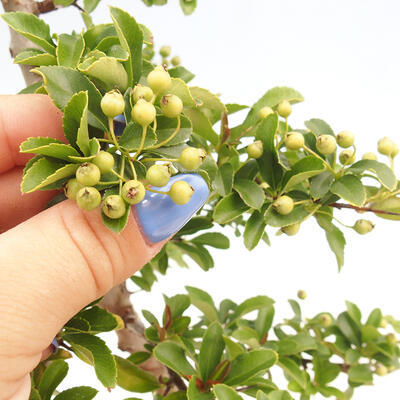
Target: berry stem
(164,142)
(105,140)
(286,125)
(328,167)
(114,139)
(150,159)
(142,140)
(122,174)
(155,191)
(337,220)
(118,175)
(391,162)
(133,169)
(108,182)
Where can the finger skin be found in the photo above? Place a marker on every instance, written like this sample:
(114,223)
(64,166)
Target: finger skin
(17,207)
(51,266)
(24,116)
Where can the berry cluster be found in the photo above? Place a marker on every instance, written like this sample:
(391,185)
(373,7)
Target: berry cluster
(83,188)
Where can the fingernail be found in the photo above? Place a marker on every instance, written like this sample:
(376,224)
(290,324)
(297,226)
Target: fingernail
(119,124)
(160,217)
(54,343)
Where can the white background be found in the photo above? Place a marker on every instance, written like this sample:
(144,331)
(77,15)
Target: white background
(343,57)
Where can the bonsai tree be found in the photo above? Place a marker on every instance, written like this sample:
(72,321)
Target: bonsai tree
(133,126)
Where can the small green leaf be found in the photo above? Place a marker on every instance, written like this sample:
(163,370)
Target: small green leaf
(62,83)
(208,103)
(249,364)
(254,230)
(272,218)
(350,188)
(223,180)
(385,175)
(173,356)
(293,370)
(264,320)
(32,27)
(349,328)
(320,184)
(166,126)
(229,208)
(90,5)
(197,253)
(224,392)
(204,302)
(131,37)
(70,49)
(181,73)
(99,319)
(34,395)
(177,304)
(319,127)
(44,172)
(354,312)
(325,371)
(201,125)
(188,7)
(360,374)
(35,57)
(251,304)
(103,360)
(251,193)
(77,393)
(193,393)
(115,225)
(211,350)
(374,318)
(53,148)
(194,225)
(213,239)
(133,378)
(337,243)
(51,378)
(132,135)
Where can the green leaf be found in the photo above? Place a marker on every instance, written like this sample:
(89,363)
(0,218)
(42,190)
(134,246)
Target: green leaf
(268,163)
(103,360)
(264,320)
(179,88)
(51,378)
(350,188)
(82,136)
(48,147)
(131,38)
(35,57)
(133,378)
(77,393)
(194,225)
(229,208)
(34,395)
(173,356)
(166,126)
(201,125)
(204,302)
(90,5)
(360,374)
(251,193)
(271,99)
(208,103)
(181,73)
(325,371)
(107,72)
(193,393)
(224,392)
(249,364)
(213,239)
(375,318)
(115,225)
(64,3)
(293,370)
(211,350)
(177,304)
(234,108)
(31,88)
(99,319)
(354,312)
(188,6)
(132,135)
(44,172)
(249,305)
(320,184)
(32,27)
(62,83)
(254,229)
(385,175)
(279,395)
(349,328)
(319,127)
(70,49)
(303,169)
(223,180)
(337,243)
(276,220)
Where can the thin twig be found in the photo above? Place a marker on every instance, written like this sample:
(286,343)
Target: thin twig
(362,209)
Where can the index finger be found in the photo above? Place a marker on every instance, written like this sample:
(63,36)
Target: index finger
(23,116)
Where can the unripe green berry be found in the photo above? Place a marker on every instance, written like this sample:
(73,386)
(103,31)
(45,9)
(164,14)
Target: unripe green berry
(291,230)
(383,323)
(302,294)
(284,109)
(88,174)
(158,175)
(370,156)
(345,139)
(112,104)
(171,105)
(255,150)
(88,198)
(114,206)
(363,226)
(165,62)
(133,191)
(191,158)
(347,157)
(175,61)
(143,113)
(264,112)
(391,338)
(325,320)
(71,188)
(142,92)
(294,140)
(180,192)
(159,80)
(283,205)
(326,144)
(105,161)
(387,147)
(381,370)
(165,51)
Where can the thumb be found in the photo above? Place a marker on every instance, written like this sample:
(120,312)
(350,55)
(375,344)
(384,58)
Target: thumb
(57,262)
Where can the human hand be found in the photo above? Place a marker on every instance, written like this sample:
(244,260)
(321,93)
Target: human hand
(55,262)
